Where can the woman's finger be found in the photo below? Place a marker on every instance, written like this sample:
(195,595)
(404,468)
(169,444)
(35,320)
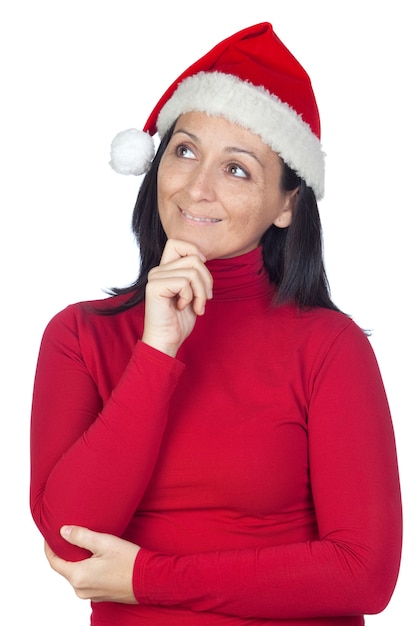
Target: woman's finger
(50,555)
(186,284)
(176,248)
(83,537)
(57,564)
(179,265)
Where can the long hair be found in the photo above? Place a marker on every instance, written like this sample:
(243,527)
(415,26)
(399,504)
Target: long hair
(293,256)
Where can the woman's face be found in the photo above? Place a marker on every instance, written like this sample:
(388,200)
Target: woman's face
(219,186)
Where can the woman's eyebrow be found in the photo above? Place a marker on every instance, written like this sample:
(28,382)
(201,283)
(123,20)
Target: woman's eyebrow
(229,149)
(244,151)
(185,132)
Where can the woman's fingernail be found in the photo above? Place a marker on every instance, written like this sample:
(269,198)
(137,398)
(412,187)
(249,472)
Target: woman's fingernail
(65,531)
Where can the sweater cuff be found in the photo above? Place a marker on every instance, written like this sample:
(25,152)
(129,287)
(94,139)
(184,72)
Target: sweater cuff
(159,357)
(154,581)
(139,576)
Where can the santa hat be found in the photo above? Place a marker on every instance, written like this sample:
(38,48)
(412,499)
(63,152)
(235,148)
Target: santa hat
(251,79)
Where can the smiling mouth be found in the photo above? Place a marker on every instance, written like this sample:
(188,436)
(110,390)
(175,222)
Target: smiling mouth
(211,220)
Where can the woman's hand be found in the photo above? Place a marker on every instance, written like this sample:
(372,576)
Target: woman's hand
(106,576)
(176,293)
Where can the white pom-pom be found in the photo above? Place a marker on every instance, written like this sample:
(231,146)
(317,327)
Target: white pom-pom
(132,152)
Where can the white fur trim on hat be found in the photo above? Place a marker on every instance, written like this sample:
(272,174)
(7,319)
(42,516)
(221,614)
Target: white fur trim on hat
(132,152)
(256,109)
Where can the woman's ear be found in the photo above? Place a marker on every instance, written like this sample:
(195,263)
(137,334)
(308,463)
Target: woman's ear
(283,220)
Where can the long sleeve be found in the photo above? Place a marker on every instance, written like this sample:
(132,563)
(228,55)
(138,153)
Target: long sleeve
(96,429)
(352,565)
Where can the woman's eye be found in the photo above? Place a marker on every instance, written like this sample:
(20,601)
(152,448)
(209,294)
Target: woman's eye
(184,152)
(237,171)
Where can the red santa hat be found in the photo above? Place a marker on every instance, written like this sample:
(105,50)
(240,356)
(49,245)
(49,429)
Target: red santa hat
(251,79)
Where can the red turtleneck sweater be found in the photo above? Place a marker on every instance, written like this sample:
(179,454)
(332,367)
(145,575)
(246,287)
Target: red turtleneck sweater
(257,470)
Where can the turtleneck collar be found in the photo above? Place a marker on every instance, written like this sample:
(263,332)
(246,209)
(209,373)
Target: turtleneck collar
(241,277)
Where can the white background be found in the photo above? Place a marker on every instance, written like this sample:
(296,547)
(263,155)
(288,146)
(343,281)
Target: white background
(74,74)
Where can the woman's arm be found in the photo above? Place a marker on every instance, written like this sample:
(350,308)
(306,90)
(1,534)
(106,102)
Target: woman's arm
(352,567)
(92,463)
(96,430)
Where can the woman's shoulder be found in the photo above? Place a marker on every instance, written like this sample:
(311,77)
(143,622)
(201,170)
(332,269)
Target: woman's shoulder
(85,336)
(319,319)
(94,316)
(319,329)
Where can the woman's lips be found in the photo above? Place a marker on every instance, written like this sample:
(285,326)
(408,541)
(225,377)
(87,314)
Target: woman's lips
(195,218)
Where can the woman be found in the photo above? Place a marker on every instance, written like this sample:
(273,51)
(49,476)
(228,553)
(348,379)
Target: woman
(220,425)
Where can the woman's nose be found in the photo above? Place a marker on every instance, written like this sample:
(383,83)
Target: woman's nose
(201,184)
